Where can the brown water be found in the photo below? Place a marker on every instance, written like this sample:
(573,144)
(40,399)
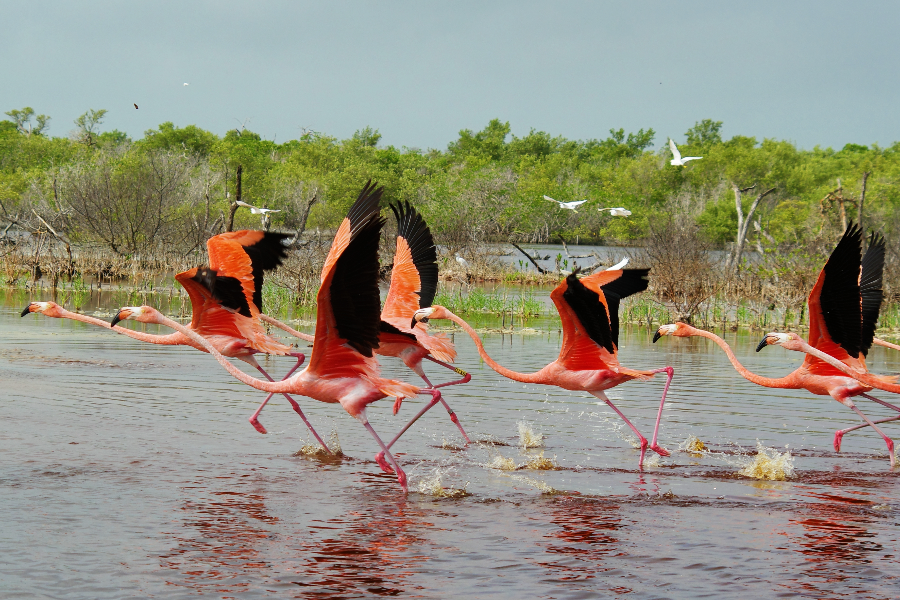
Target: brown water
(130,470)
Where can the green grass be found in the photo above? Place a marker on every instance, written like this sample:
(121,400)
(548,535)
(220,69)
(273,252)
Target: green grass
(501,301)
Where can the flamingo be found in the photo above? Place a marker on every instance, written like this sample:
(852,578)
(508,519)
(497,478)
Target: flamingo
(342,367)
(677,161)
(215,298)
(838,315)
(568,205)
(588,360)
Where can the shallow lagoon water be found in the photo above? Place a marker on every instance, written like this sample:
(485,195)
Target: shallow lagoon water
(130,470)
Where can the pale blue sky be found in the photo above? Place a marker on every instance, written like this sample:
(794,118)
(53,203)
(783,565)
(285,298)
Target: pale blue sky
(814,72)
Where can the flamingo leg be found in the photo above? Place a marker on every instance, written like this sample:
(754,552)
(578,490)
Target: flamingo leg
(294,405)
(670,372)
(435,398)
(887,440)
(839,434)
(602,396)
(401,475)
(881,402)
(254,417)
(467,378)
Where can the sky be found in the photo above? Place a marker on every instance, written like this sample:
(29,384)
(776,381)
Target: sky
(817,73)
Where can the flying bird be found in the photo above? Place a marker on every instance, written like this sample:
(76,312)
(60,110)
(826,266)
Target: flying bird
(186,84)
(569,205)
(135,106)
(617,212)
(677,161)
(588,360)
(342,366)
(841,324)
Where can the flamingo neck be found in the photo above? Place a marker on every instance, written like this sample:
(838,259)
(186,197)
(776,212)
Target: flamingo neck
(276,323)
(781,382)
(172,339)
(515,376)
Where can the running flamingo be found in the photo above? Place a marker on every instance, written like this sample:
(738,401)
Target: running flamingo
(841,324)
(588,360)
(342,367)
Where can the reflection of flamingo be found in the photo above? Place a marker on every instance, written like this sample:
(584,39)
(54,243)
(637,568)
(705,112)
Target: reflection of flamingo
(839,314)
(588,359)
(342,367)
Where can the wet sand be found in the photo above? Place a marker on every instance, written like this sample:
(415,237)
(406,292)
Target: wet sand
(130,470)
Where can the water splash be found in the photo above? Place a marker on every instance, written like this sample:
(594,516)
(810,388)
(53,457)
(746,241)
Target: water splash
(692,444)
(769,464)
(314,449)
(502,463)
(544,487)
(433,486)
(540,463)
(653,461)
(527,436)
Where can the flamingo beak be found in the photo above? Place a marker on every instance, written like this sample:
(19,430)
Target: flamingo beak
(656,336)
(26,310)
(415,320)
(120,317)
(763,343)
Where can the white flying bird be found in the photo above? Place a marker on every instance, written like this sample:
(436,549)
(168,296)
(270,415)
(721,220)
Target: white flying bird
(618,265)
(677,161)
(257,211)
(617,212)
(570,205)
(187,84)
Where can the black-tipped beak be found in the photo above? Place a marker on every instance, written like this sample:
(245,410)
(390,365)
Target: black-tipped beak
(26,310)
(116,319)
(763,344)
(414,321)
(656,336)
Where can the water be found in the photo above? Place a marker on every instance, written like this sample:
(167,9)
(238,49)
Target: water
(131,471)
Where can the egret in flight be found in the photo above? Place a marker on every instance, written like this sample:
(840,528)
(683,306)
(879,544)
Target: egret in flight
(677,161)
(617,212)
(570,205)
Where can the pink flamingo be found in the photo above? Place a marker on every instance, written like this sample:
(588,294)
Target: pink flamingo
(342,366)
(588,360)
(839,314)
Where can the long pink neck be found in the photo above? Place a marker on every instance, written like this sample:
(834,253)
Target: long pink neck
(277,387)
(288,329)
(172,339)
(885,344)
(788,382)
(867,378)
(523,377)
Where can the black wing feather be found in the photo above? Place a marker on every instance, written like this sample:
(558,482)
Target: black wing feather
(870,290)
(355,298)
(840,296)
(631,282)
(412,227)
(265,255)
(386,327)
(228,291)
(590,311)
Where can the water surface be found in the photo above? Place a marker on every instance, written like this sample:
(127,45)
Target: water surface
(130,470)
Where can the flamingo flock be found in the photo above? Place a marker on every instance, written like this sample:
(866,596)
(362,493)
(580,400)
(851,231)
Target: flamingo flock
(353,329)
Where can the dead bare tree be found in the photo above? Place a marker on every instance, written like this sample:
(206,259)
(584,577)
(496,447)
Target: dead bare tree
(234,203)
(734,257)
(862,199)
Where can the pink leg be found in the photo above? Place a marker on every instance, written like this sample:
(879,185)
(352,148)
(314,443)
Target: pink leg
(294,405)
(881,402)
(839,434)
(435,398)
(603,397)
(670,372)
(887,440)
(253,418)
(466,379)
(401,476)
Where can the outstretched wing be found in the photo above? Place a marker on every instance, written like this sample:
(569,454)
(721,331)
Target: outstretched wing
(245,255)
(870,290)
(347,321)
(631,282)
(835,307)
(675,153)
(687,158)
(415,274)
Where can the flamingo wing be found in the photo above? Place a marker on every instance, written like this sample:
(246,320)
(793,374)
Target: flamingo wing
(631,282)
(415,274)
(587,342)
(835,307)
(245,255)
(347,320)
(196,292)
(870,290)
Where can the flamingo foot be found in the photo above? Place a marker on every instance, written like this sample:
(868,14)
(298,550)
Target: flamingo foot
(401,479)
(890,445)
(387,468)
(397,404)
(257,425)
(644,444)
(838,436)
(660,450)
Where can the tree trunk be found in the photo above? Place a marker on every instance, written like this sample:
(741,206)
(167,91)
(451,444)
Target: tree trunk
(862,198)
(734,258)
(234,205)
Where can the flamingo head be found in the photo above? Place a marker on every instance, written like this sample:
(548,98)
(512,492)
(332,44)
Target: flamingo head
(791,341)
(142,314)
(677,329)
(432,312)
(51,309)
